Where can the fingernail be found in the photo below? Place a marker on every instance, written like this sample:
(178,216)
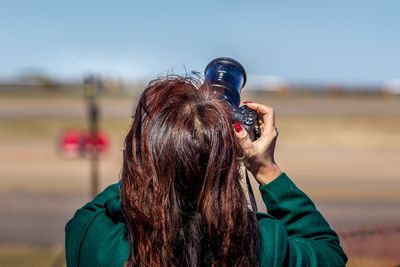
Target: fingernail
(245,102)
(238,127)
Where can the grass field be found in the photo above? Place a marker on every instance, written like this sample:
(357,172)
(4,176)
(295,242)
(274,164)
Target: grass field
(343,151)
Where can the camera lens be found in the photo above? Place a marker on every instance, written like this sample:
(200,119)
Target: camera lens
(228,76)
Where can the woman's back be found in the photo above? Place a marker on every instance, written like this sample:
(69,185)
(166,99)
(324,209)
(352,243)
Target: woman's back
(293,233)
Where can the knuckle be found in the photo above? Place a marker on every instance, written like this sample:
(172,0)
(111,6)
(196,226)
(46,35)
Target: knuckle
(268,110)
(267,107)
(245,138)
(275,133)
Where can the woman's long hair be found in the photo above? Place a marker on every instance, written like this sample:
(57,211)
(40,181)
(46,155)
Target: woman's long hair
(181,193)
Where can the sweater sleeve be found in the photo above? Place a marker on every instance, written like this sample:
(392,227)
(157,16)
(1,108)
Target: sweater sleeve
(294,233)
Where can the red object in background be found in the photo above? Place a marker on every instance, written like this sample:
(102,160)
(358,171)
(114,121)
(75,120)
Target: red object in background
(101,141)
(78,143)
(70,143)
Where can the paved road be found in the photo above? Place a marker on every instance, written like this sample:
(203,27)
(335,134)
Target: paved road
(39,219)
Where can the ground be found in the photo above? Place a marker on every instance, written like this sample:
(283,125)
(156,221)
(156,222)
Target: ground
(344,152)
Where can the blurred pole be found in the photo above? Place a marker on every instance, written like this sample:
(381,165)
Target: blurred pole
(91,90)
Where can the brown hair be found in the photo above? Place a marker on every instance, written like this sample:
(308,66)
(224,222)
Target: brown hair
(181,192)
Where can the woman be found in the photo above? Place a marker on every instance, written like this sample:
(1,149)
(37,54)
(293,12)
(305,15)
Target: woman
(180,200)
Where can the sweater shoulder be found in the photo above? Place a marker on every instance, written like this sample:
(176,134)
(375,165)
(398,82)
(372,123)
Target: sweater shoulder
(105,242)
(92,218)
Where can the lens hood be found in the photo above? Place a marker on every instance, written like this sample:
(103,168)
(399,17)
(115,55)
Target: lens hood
(228,61)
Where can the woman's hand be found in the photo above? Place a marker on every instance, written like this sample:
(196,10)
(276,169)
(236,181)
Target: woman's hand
(260,153)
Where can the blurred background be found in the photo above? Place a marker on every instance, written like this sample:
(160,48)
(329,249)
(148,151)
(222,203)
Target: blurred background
(72,71)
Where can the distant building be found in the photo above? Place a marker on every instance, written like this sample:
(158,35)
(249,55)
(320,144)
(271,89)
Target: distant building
(266,83)
(392,87)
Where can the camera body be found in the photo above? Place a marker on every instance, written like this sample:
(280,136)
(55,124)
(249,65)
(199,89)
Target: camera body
(227,76)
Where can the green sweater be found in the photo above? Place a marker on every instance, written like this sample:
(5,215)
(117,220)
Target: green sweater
(293,232)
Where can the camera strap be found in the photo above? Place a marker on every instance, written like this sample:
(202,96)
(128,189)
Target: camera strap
(251,193)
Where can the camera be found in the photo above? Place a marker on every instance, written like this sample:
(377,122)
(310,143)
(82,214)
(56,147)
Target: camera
(227,77)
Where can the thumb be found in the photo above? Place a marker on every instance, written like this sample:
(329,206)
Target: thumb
(244,137)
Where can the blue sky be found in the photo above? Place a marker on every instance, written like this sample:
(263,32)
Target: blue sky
(300,41)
